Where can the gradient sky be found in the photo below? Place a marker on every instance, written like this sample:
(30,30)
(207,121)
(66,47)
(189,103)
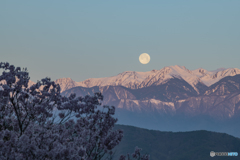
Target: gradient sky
(101,38)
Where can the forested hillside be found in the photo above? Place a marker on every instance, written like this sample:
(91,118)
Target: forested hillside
(194,145)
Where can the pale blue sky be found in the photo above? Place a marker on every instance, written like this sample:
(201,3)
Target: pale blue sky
(89,39)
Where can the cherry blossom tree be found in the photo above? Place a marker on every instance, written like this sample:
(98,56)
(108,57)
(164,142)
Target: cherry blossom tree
(37,122)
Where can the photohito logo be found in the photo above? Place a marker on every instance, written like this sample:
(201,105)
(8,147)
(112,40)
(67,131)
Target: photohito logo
(212,154)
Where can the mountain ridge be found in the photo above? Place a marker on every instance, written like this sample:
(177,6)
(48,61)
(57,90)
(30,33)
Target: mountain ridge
(136,80)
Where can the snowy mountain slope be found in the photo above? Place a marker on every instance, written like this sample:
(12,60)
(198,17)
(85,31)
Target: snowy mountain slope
(135,80)
(166,73)
(66,83)
(175,97)
(129,79)
(209,78)
(198,79)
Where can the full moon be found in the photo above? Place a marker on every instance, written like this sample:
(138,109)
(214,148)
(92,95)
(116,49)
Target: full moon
(144,58)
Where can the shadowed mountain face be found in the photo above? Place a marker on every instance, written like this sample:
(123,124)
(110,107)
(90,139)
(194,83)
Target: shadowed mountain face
(175,105)
(171,90)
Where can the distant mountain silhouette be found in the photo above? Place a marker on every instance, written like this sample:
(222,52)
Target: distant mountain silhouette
(194,145)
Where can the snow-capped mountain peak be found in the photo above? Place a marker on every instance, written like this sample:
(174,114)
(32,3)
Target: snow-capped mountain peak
(135,80)
(215,76)
(66,83)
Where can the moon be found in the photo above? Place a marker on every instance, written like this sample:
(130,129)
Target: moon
(144,58)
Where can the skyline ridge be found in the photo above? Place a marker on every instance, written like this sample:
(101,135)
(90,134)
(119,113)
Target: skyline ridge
(134,79)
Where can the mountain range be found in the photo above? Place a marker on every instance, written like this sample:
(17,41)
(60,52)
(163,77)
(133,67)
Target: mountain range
(171,90)
(136,80)
(172,99)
